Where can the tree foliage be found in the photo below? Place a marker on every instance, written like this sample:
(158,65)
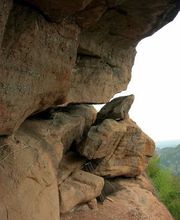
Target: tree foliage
(167,186)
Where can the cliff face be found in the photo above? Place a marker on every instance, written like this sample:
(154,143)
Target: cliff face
(73,54)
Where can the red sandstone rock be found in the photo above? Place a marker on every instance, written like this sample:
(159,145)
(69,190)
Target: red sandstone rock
(123,148)
(80,187)
(55,52)
(70,163)
(37,62)
(116,109)
(29,163)
(131,203)
(28,182)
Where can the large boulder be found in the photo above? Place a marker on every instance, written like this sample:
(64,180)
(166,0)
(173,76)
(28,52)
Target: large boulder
(28,177)
(70,163)
(101,140)
(132,202)
(116,109)
(107,48)
(80,187)
(53,53)
(29,163)
(41,41)
(36,63)
(94,80)
(122,148)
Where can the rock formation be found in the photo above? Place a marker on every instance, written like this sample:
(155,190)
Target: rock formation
(133,202)
(123,149)
(56,152)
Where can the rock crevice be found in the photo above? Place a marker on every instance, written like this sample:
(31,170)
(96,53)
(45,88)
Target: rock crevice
(58,156)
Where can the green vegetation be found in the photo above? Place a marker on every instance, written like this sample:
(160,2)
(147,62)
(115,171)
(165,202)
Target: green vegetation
(169,158)
(167,186)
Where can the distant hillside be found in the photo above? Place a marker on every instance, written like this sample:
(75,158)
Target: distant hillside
(170,158)
(169,143)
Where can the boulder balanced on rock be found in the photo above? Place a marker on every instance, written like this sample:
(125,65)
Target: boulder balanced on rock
(122,147)
(116,109)
(54,53)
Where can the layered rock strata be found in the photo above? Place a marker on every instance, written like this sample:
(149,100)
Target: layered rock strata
(29,162)
(58,157)
(41,165)
(121,147)
(55,52)
(133,202)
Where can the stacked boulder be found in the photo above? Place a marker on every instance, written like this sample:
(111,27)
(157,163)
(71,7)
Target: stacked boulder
(50,151)
(29,162)
(114,146)
(56,58)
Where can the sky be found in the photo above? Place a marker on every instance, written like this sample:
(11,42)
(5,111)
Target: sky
(156,84)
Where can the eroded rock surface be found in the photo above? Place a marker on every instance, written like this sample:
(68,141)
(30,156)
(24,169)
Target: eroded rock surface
(5,8)
(56,10)
(36,63)
(116,109)
(71,162)
(28,182)
(29,163)
(123,148)
(101,139)
(56,52)
(131,203)
(80,187)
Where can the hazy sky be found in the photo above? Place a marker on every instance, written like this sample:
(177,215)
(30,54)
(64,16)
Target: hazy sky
(156,83)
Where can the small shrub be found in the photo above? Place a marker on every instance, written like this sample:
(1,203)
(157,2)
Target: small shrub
(166,185)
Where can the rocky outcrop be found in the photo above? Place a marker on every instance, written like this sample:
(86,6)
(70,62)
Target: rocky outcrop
(36,58)
(132,202)
(81,187)
(56,58)
(40,165)
(116,109)
(56,10)
(123,148)
(70,163)
(29,163)
(28,186)
(80,52)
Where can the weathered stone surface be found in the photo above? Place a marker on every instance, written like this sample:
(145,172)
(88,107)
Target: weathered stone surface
(28,182)
(29,163)
(56,10)
(80,187)
(39,44)
(88,112)
(91,14)
(116,109)
(67,125)
(5,7)
(37,52)
(36,63)
(122,146)
(95,81)
(107,48)
(131,154)
(131,203)
(68,165)
(101,140)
